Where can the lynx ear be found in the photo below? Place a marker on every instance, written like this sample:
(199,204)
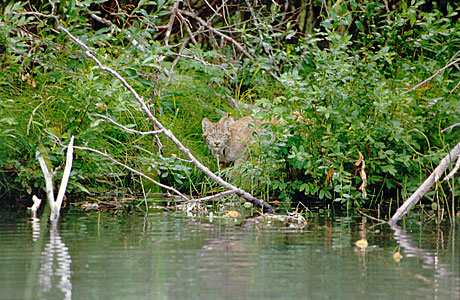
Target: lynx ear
(205,125)
(226,121)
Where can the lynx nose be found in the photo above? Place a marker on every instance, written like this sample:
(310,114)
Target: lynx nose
(217,143)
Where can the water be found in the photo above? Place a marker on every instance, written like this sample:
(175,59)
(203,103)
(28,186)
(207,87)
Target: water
(171,256)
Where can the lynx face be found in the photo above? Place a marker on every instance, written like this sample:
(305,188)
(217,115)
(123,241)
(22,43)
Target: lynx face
(228,138)
(217,135)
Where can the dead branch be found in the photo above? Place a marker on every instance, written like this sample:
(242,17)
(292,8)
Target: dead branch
(426,185)
(226,37)
(454,170)
(118,30)
(212,197)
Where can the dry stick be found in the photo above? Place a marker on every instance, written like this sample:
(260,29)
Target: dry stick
(450,127)
(48,180)
(131,38)
(256,24)
(454,170)
(174,63)
(187,27)
(226,37)
(65,179)
(426,185)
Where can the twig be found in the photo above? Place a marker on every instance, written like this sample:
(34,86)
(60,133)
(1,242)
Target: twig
(205,63)
(371,217)
(48,179)
(65,179)
(454,170)
(450,127)
(131,38)
(226,37)
(172,17)
(455,87)
(212,197)
(56,205)
(126,128)
(37,201)
(133,170)
(173,65)
(188,28)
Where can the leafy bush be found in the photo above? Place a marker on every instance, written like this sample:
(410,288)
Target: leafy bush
(340,95)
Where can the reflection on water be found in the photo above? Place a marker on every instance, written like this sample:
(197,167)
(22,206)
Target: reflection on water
(54,274)
(443,273)
(169,256)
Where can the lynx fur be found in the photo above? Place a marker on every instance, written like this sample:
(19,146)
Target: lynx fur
(227,139)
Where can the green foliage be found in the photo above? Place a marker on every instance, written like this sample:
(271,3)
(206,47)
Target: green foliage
(349,98)
(336,93)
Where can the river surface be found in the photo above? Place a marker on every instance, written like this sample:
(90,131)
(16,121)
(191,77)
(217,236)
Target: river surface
(164,255)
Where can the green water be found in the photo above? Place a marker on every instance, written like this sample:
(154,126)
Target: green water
(171,256)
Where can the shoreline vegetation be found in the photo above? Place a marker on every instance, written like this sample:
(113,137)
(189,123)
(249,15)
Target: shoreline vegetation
(365,96)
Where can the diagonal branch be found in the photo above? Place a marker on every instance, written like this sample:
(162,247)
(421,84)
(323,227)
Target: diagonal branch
(133,170)
(426,185)
(126,128)
(245,195)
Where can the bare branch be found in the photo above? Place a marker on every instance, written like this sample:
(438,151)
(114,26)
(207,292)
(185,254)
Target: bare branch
(450,127)
(226,37)
(188,28)
(454,170)
(64,181)
(126,128)
(212,197)
(117,29)
(426,185)
(172,17)
(133,170)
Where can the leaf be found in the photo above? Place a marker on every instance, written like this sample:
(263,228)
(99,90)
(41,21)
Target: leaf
(161,3)
(362,243)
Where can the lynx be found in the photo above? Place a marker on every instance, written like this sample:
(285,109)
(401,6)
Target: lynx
(227,139)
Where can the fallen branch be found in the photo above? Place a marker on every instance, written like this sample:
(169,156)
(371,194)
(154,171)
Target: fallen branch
(34,208)
(450,127)
(454,170)
(425,187)
(245,195)
(212,197)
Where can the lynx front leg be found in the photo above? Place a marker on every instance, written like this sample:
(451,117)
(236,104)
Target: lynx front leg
(218,165)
